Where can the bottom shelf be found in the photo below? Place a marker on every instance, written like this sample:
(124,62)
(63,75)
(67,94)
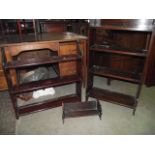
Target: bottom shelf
(114,97)
(35,107)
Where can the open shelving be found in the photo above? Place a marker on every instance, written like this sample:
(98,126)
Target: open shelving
(23,65)
(114,97)
(118,51)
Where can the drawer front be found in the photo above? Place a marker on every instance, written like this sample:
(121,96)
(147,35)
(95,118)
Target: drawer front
(68,68)
(3,83)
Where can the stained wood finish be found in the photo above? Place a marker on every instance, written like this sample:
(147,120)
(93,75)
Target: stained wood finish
(42,61)
(37,107)
(114,97)
(11,58)
(114,49)
(67,68)
(119,50)
(15,45)
(14,40)
(144,25)
(81,109)
(51,27)
(116,74)
(150,67)
(3,83)
(54,82)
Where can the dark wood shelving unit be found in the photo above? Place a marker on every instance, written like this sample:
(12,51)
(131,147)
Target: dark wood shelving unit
(62,51)
(81,109)
(118,50)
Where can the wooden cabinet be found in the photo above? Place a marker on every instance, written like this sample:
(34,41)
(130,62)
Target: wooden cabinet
(120,50)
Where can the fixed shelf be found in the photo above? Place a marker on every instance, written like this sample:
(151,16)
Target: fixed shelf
(113,97)
(116,74)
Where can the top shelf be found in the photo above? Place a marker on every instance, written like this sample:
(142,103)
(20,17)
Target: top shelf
(142,28)
(42,61)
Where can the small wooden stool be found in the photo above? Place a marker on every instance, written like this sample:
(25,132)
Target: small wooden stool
(81,109)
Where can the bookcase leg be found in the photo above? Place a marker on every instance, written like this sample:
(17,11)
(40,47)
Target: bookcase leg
(99,109)
(14,103)
(87,96)
(134,111)
(78,89)
(63,118)
(108,82)
(63,113)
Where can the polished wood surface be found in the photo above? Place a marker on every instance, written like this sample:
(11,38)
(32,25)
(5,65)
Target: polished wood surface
(10,40)
(144,25)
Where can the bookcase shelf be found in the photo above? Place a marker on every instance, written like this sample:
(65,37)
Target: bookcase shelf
(115,49)
(53,82)
(114,97)
(115,74)
(43,61)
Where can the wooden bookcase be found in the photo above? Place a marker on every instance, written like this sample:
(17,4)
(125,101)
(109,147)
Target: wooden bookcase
(69,49)
(119,50)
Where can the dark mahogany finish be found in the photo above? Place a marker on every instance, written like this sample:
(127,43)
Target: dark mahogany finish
(121,50)
(68,48)
(81,109)
(111,96)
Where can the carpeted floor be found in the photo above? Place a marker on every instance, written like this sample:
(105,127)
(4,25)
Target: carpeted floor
(7,117)
(115,119)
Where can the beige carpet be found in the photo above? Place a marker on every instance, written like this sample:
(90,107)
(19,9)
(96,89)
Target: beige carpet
(115,119)
(7,117)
